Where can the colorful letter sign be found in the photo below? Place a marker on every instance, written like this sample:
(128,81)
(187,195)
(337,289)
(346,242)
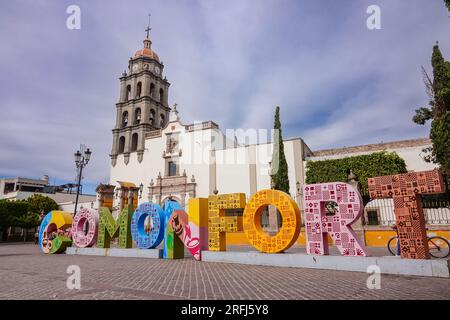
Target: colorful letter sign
(318,223)
(109,228)
(152,237)
(173,247)
(218,224)
(53,232)
(192,229)
(290,228)
(85,238)
(406,190)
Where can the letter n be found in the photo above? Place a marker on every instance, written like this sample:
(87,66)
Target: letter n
(110,228)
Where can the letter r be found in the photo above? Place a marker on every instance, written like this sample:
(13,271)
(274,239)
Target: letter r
(318,222)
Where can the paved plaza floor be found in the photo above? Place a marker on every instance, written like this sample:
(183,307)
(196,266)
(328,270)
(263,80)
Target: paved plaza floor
(25,273)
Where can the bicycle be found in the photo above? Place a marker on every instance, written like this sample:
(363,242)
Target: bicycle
(439,246)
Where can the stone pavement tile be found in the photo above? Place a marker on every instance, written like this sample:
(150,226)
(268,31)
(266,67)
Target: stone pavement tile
(25,273)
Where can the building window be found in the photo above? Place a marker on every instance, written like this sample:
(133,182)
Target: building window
(162,119)
(152,89)
(138,90)
(137,116)
(134,142)
(121,144)
(172,169)
(128,93)
(124,119)
(161,95)
(372,218)
(152,117)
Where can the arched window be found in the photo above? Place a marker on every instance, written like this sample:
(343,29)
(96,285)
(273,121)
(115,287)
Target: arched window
(122,144)
(162,119)
(137,116)
(134,142)
(138,90)
(152,117)
(161,95)
(128,93)
(152,89)
(125,119)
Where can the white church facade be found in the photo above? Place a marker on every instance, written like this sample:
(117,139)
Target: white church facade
(154,149)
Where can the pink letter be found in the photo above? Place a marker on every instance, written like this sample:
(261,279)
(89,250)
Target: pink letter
(346,203)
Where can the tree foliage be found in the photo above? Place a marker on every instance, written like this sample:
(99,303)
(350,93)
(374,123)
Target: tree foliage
(40,204)
(279,167)
(363,166)
(24,213)
(447,3)
(438,110)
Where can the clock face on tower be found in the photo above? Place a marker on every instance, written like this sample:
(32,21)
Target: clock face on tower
(135,67)
(157,70)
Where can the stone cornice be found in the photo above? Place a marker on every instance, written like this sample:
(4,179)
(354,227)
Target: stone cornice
(140,99)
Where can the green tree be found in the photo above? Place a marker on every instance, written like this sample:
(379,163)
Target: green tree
(447,3)
(22,217)
(438,109)
(279,167)
(5,215)
(38,204)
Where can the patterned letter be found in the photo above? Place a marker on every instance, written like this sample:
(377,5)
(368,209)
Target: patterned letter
(192,229)
(406,190)
(109,228)
(54,232)
(218,224)
(173,247)
(80,238)
(151,238)
(318,223)
(290,228)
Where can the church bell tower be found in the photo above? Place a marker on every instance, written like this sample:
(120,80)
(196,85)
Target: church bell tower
(143,103)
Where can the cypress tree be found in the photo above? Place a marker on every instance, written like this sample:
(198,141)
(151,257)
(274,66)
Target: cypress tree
(438,111)
(279,168)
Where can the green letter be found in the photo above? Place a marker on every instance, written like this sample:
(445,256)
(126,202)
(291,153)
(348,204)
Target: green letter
(108,228)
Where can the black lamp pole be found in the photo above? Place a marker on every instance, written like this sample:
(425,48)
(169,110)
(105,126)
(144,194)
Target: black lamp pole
(81,160)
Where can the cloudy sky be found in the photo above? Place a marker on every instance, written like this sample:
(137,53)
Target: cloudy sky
(337,82)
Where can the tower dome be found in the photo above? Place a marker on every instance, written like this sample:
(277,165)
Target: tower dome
(147,51)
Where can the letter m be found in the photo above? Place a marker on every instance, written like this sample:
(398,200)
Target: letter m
(110,228)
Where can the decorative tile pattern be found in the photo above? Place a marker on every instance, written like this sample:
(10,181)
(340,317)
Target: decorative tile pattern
(173,246)
(54,232)
(218,224)
(151,238)
(317,223)
(290,228)
(79,237)
(109,228)
(192,228)
(406,190)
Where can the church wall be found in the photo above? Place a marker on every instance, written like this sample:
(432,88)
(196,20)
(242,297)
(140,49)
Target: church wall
(232,170)
(196,159)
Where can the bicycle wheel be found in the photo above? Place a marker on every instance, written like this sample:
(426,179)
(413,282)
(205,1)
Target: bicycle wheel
(439,247)
(392,246)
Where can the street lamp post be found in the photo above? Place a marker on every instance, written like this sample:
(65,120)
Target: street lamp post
(81,160)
